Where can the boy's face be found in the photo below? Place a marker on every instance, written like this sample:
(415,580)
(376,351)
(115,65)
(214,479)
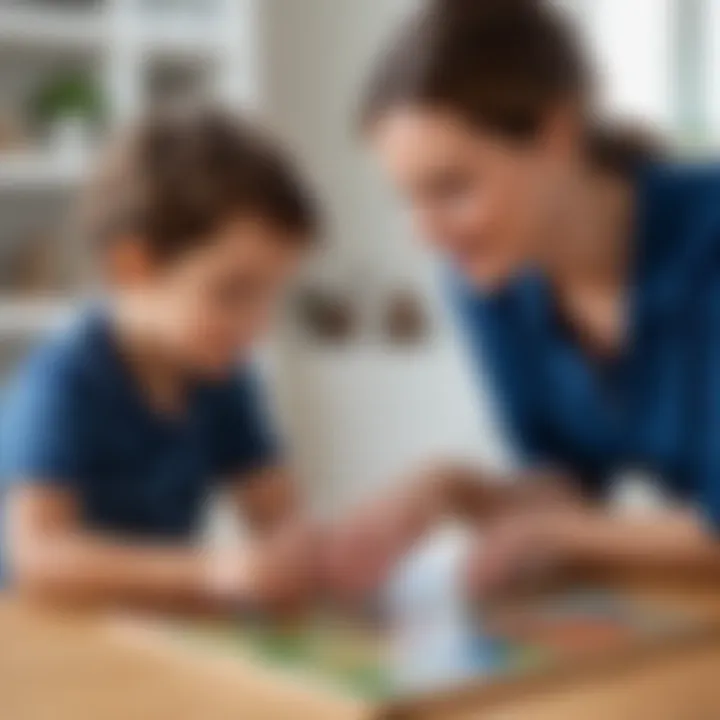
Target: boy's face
(209,305)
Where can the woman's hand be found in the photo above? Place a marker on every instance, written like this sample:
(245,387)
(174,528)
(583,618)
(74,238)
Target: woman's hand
(365,547)
(368,544)
(523,548)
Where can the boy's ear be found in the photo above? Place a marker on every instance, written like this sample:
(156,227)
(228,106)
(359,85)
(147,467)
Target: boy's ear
(129,262)
(563,132)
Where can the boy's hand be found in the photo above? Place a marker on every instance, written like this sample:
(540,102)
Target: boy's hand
(278,573)
(284,572)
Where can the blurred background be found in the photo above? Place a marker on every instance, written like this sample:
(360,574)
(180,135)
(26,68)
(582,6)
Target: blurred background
(369,373)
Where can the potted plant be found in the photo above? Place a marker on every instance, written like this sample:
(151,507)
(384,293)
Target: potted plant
(67,109)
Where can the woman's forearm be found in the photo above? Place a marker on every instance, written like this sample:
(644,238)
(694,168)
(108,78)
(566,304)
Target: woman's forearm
(673,542)
(477,496)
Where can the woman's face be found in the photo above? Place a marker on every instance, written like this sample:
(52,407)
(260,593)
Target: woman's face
(482,200)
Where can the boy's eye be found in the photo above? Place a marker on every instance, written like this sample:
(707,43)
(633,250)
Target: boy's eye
(447,186)
(238,291)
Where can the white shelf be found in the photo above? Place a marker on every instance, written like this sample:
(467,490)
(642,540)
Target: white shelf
(40,171)
(116,42)
(178,40)
(92,30)
(44,28)
(32,317)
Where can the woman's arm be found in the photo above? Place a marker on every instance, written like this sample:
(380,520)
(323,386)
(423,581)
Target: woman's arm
(674,543)
(478,496)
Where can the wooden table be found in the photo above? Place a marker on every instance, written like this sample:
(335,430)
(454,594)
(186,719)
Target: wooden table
(55,667)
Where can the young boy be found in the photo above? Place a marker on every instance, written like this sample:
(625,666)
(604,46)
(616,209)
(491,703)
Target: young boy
(114,433)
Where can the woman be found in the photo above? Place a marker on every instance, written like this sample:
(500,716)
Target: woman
(588,279)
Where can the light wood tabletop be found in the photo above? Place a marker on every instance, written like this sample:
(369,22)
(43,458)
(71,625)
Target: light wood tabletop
(62,667)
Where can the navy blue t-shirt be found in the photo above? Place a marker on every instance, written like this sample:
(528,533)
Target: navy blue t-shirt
(654,408)
(74,418)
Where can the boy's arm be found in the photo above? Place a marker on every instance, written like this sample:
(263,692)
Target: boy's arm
(52,557)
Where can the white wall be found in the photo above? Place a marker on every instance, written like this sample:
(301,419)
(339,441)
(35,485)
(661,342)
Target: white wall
(362,415)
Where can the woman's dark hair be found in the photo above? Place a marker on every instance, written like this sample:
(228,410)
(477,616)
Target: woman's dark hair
(503,65)
(178,175)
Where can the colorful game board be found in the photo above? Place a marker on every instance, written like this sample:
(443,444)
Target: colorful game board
(511,642)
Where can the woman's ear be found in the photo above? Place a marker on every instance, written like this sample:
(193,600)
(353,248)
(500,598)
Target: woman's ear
(129,262)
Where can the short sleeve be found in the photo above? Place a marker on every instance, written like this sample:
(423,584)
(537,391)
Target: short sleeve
(244,439)
(706,428)
(43,421)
